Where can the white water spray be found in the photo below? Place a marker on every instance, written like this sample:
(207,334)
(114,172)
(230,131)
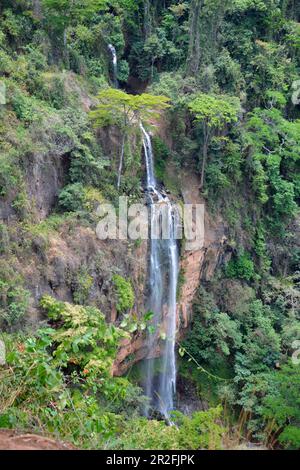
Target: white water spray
(113,52)
(163,279)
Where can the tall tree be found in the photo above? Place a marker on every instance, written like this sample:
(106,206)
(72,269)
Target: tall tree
(194,53)
(206,18)
(60,14)
(126,111)
(214,113)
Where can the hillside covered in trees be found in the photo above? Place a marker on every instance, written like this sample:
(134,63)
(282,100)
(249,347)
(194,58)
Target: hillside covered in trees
(92,92)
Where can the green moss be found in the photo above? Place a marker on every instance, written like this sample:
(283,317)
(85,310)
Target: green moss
(51,224)
(161,152)
(181,281)
(82,286)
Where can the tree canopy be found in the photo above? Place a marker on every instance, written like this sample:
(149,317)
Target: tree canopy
(214,113)
(126,111)
(118,107)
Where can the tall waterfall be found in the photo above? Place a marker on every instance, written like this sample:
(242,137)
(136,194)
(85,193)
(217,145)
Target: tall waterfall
(163,279)
(115,64)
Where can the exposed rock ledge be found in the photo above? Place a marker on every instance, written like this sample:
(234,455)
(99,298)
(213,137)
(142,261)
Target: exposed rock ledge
(11,440)
(53,264)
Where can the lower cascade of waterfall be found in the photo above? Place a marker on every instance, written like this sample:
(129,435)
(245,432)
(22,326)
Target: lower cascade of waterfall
(113,52)
(163,278)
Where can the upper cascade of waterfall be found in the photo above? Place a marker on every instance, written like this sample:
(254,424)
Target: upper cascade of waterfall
(151,181)
(113,52)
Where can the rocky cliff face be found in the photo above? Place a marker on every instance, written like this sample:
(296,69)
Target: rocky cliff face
(73,265)
(200,264)
(45,177)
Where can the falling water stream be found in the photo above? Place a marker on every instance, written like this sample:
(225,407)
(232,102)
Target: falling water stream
(113,52)
(163,277)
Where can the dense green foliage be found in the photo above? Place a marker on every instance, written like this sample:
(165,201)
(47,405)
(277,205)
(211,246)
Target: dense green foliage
(125,294)
(200,431)
(78,349)
(213,113)
(255,340)
(59,381)
(126,111)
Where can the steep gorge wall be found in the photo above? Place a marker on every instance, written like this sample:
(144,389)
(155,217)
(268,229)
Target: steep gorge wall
(71,259)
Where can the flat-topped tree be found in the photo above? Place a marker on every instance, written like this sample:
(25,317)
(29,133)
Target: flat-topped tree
(214,113)
(127,112)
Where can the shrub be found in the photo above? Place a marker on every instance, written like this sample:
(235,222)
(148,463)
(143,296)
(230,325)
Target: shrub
(25,107)
(59,380)
(200,431)
(144,434)
(4,238)
(84,339)
(290,438)
(214,333)
(14,303)
(71,198)
(52,89)
(241,267)
(82,287)
(123,71)
(281,405)
(11,178)
(35,395)
(125,293)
